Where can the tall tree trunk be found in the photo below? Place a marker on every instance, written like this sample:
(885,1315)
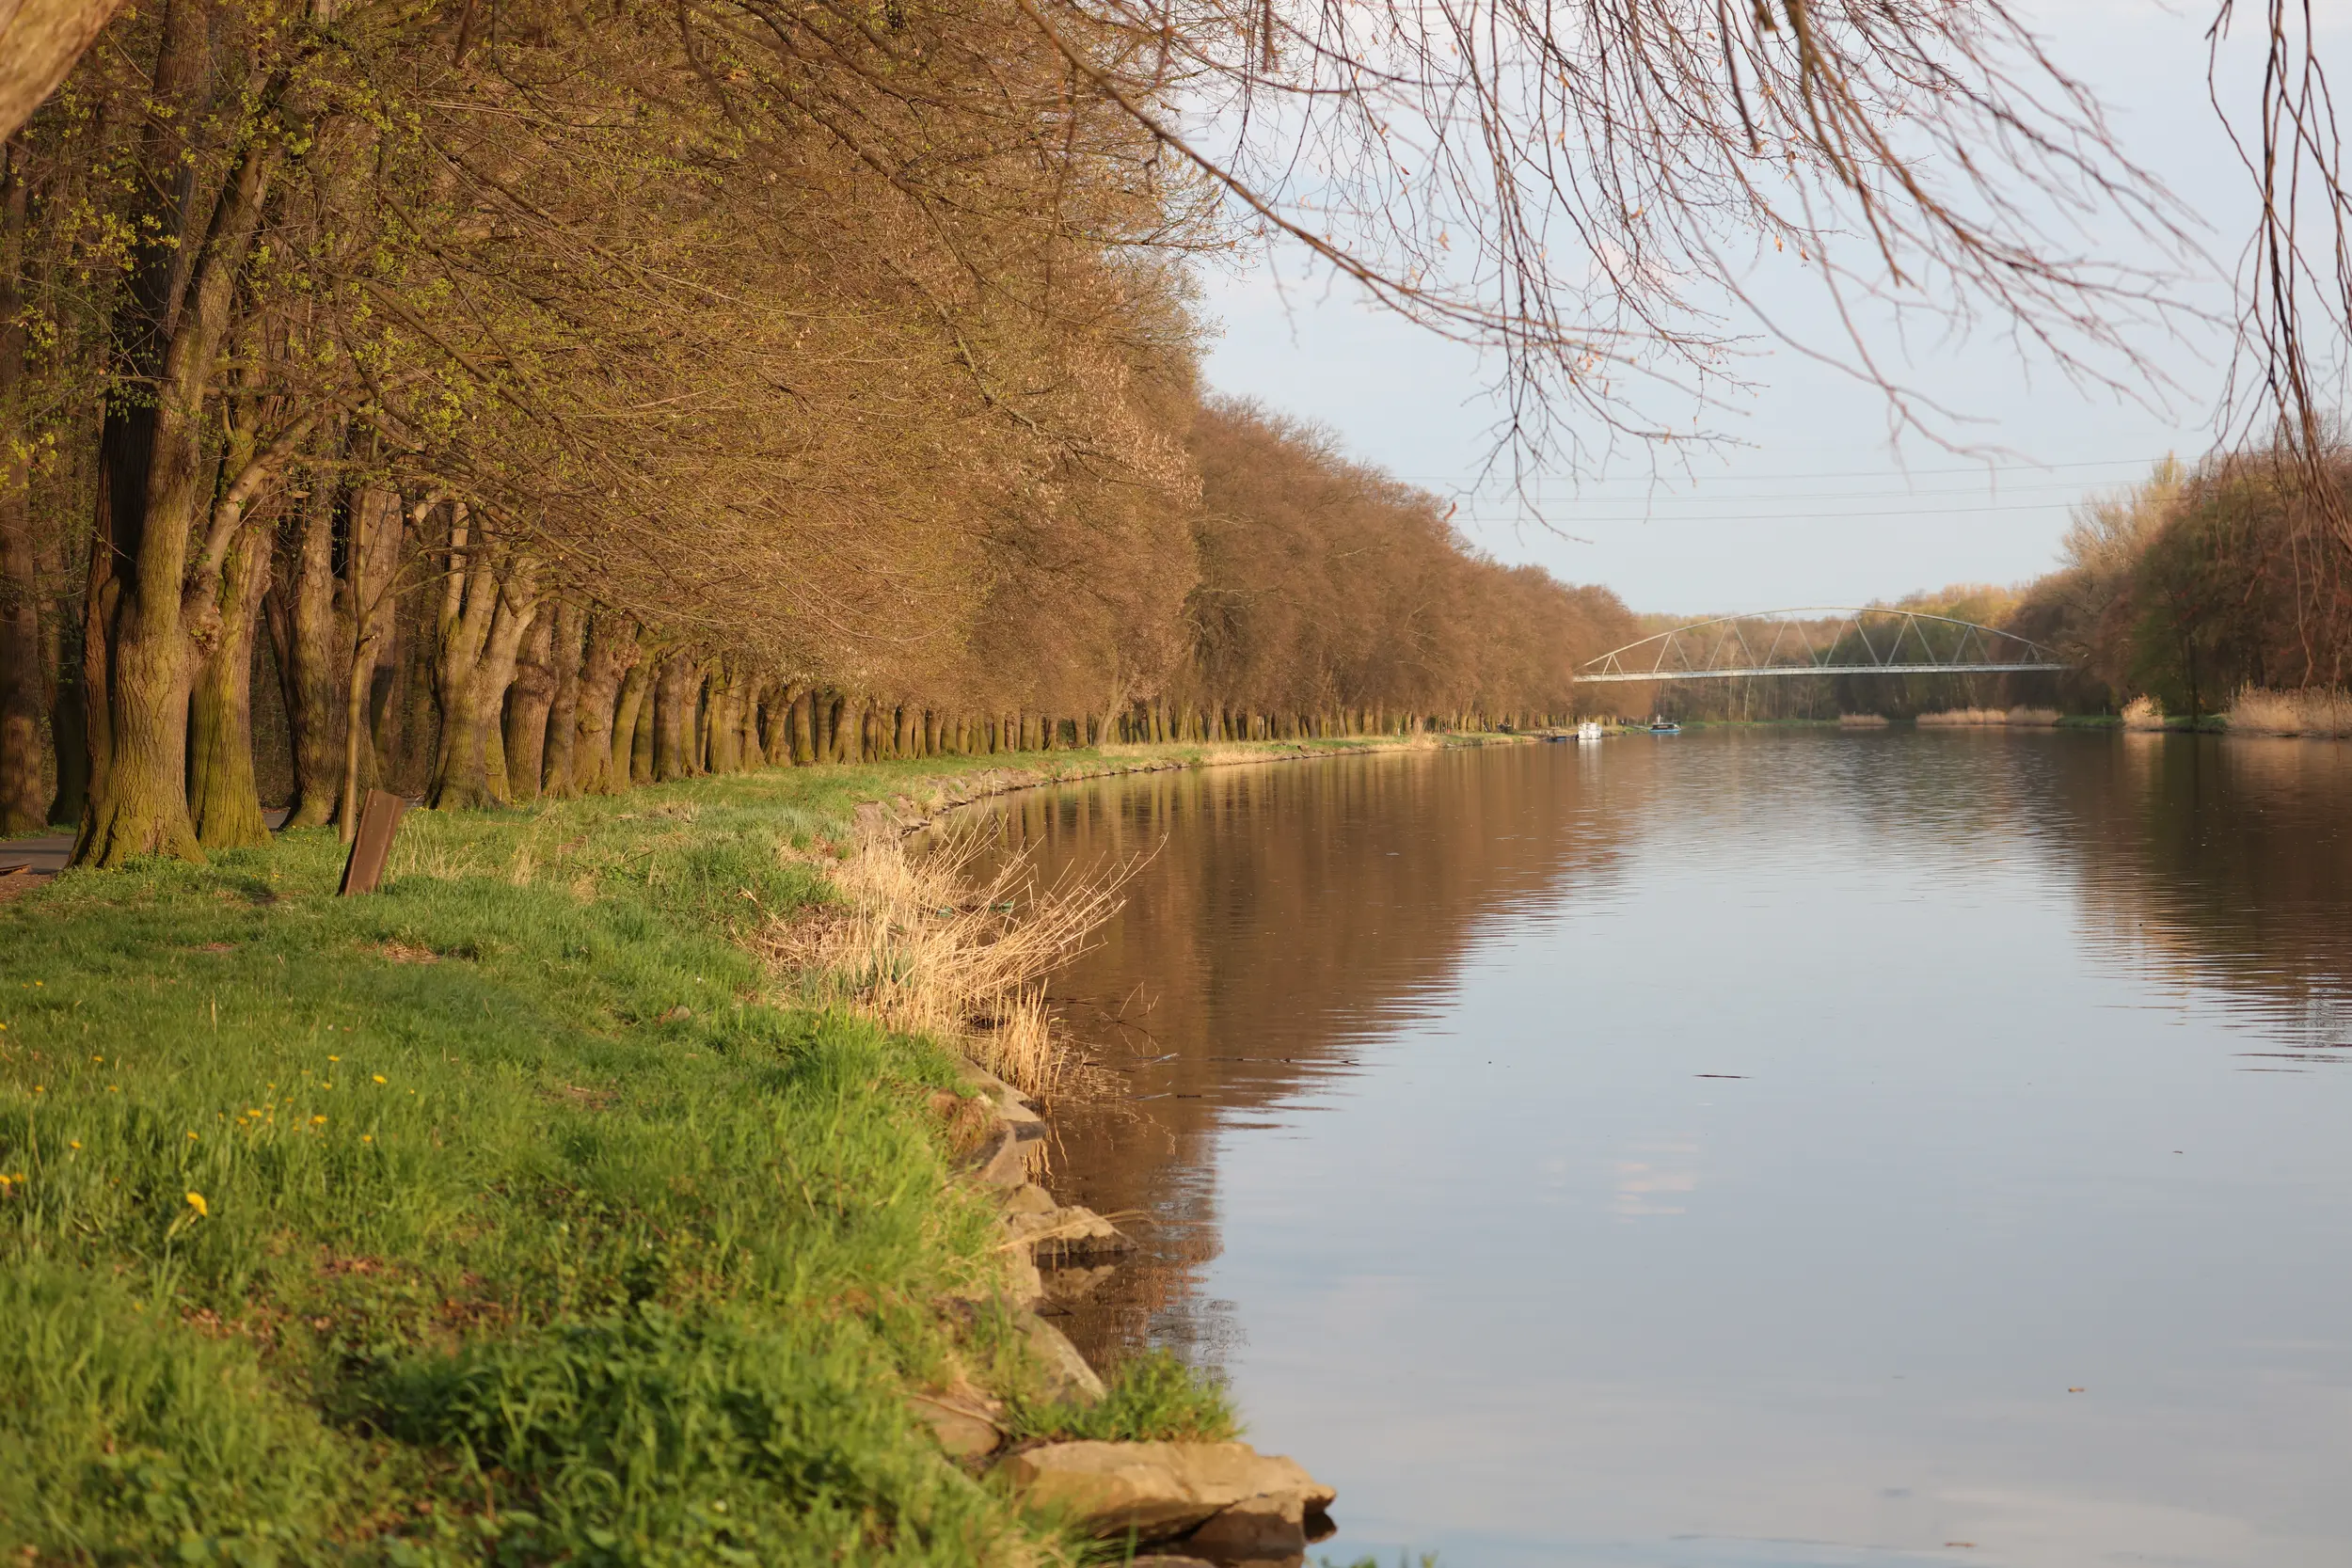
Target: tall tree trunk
(316,648)
(801,717)
(613,653)
(370,567)
(223,801)
(419,728)
(566,649)
(673,716)
(487,605)
(725,702)
(755,721)
(849,731)
(153,577)
(698,708)
(637,681)
(24,691)
(641,740)
(528,704)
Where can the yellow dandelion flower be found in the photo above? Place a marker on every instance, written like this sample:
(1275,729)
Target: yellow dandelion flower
(73,1143)
(315,1120)
(196,1201)
(379,1078)
(191,1137)
(114,1088)
(334,1058)
(367,1137)
(39,1089)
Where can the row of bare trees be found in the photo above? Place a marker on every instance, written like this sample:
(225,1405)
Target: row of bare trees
(2201,580)
(847,347)
(524,403)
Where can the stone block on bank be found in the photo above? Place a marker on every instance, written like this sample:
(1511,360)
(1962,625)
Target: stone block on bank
(1068,1378)
(1063,1238)
(1159,1490)
(965,1424)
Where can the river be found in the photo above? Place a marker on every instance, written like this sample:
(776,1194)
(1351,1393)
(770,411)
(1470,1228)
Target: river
(1757,1148)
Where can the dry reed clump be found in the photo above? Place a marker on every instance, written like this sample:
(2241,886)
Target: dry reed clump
(2318,710)
(1863,721)
(920,947)
(2020,714)
(2143,713)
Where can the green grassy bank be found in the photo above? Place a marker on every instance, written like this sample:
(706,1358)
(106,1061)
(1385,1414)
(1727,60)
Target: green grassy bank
(513,1214)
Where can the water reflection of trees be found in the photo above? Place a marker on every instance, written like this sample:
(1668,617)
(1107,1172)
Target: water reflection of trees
(1291,916)
(1286,916)
(2225,865)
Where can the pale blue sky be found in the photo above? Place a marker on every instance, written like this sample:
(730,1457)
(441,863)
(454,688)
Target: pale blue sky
(1820,506)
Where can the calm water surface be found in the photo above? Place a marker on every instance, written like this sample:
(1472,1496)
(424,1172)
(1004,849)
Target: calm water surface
(1738,1148)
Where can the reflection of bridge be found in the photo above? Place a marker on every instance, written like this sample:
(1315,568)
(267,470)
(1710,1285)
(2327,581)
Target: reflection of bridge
(1823,641)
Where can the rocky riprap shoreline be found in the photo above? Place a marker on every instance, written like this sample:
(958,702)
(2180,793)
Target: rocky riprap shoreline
(1183,1503)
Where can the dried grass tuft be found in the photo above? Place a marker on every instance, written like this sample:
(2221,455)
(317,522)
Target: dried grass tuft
(2025,716)
(919,947)
(2316,710)
(1863,721)
(2143,713)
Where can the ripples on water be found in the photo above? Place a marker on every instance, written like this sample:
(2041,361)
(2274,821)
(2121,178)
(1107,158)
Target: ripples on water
(1735,1148)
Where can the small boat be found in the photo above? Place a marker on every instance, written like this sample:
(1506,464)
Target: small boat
(1589,730)
(1664,727)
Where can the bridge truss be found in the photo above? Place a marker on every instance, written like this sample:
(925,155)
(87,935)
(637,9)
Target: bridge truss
(1823,641)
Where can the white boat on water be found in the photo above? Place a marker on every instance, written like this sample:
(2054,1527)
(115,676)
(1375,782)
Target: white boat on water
(1589,730)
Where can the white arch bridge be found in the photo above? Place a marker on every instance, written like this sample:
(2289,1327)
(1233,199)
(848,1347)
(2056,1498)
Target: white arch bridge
(1818,640)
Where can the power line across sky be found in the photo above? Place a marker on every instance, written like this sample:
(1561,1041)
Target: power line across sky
(1980,470)
(1565,513)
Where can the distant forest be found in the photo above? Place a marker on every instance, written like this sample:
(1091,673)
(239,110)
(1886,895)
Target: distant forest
(2186,589)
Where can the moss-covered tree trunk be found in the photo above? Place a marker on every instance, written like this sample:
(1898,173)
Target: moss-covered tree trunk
(751,747)
(563,727)
(722,703)
(802,717)
(841,732)
(529,702)
(823,705)
(672,713)
(641,736)
(222,797)
(612,654)
(488,605)
(153,584)
(636,682)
